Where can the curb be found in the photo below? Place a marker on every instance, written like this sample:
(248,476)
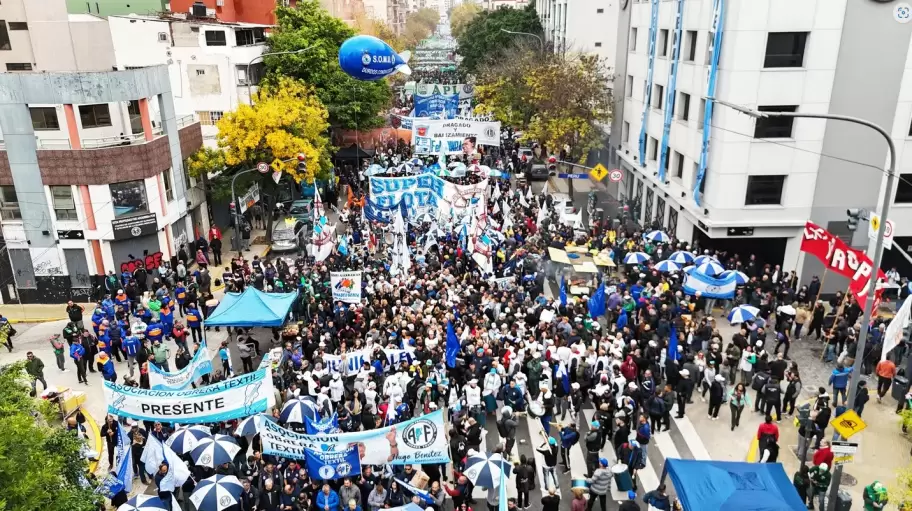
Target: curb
(96,433)
(36,320)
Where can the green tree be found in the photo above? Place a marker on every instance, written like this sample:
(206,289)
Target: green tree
(462,15)
(41,466)
(483,39)
(352,104)
(420,25)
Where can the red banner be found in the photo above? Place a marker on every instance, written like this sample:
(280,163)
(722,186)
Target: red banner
(842,259)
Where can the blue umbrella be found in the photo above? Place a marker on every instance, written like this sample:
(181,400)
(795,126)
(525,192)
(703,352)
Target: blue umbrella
(703,258)
(249,426)
(215,450)
(416,161)
(743,313)
(636,258)
(144,503)
(296,409)
(667,266)
(374,169)
(217,493)
(681,257)
(658,237)
(740,277)
(185,439)
(710,267)
(485,470)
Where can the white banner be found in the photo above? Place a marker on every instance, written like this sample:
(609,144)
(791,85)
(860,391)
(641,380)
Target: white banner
(346,286)
(894,333)
(198,366)
(427,192)
(352,363)
(415,441)
(396,356)
(235,398)
(480,132)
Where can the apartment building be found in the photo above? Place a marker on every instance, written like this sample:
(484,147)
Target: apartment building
(233,11)
(585,26)
(706,173)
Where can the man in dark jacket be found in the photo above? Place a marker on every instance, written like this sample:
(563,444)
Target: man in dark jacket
(593,446)
(75,312)
(683,390)
(772,397)
(569,436)
(250,497)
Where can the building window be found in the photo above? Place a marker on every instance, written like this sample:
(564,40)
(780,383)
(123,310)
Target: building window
(683,106)
(4,37)
(658,96)
(764,190)
(904,189)
(663,42)
(633,39)
(64,205)
(774,127)
(18,25)
(598,45)
(679,165)
(785,49)
(169,186)
(709,45)
(209,118)
(257,71)
(247,37)
(653,149)
(18,66)
(44,118)
(600,11)
(216,38)
(629,91)
(625,135)
(129,197)
(9,204)
(95,116)
(690,46)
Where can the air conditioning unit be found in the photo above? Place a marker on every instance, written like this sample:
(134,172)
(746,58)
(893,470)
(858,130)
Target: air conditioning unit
(198,9)
(163,37)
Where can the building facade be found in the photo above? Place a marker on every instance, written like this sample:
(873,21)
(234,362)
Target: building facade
(708,174)
(92,201)
(585,26)
(112,7)
(233,11)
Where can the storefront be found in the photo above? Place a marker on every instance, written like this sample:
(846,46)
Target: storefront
(136,241)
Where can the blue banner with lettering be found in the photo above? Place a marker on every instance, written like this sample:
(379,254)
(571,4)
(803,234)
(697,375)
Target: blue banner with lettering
(326,426)
(716,46)
(445,106)
(331,464)
(650,71)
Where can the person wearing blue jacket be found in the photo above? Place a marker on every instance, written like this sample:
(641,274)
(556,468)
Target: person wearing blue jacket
(108,306)
(78,353)
(569,436)
(194,317)
(839,380)
(97,317)
(131,346)
(327,499)
(106,366)
(155,331)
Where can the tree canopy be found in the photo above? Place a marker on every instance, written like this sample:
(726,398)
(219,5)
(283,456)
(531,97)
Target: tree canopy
(462,15)
(483,38)
(41,466)
(555,100)
(352,104)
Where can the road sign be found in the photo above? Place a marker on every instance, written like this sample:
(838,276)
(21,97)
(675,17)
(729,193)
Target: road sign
(573,176)
(262,167)
(843,459)
(276,165)
(277,176)
(615,175)
(874,227)
(598,172)
(848,424)
(839,447)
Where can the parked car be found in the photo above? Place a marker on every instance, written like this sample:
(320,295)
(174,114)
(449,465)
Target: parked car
(288,234)
(538,172)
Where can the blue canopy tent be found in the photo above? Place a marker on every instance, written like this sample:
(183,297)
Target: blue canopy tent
(732,485)
(252,309)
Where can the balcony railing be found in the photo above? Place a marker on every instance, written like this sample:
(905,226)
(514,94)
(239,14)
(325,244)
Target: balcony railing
(185,120)
(96,143)
(54,143)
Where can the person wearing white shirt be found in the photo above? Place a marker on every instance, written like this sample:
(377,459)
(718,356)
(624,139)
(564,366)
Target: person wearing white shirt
(336,388)
(370,397)
(473,399)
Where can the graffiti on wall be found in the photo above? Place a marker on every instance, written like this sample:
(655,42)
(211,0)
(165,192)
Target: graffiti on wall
(47,268)
(150,262)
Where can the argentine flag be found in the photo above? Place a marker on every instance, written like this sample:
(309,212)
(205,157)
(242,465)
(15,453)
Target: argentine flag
(710,287)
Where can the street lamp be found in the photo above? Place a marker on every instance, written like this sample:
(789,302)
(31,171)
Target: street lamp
(258,57)
(878,249)
(541,42)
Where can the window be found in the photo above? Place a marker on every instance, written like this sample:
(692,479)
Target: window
(653,149)
(629,88)
(64,205)
(169,186)
(600,11)
(658,96)
(690,46)
(679,165)
(598,45)
(785,49)
(633,39)
(683,106)
(209,118)
(95,116)
(4,37)
(625,134)
(44,118)
(774,127)
(9,204)
(709,44)
(18,66)
(764,190)
(18,25)
(904,189)
(129,197)
(702,115)
(216,38)
(663,42)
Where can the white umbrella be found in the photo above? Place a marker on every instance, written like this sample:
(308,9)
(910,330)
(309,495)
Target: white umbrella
(185,439)
(740,277)
(667,266)
(215,450)
(487,470)
(144,503)
(786,309)
(217,493)
(743,313)
(710,268)
(658,237)
(681,257)
(636,258)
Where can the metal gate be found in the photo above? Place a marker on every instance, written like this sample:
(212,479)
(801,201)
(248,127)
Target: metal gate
(647,216)
(22,268)
(78,268)
(660,212)
(637,202)
(127,253)
(673,223)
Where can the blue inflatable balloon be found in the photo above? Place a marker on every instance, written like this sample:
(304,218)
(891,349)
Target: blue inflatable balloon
(365,57)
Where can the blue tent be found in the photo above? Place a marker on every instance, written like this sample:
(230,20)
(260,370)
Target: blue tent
(252,308)
(730,485)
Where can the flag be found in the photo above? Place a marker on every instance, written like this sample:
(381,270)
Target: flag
(343,245)
(154,454)
(710,287)
(597,302)
(529,193)
(452,346)
(544,192)
(121,476)
(522,201)
(502,492)
(894,333)
(563,291)
(421,494)
(496,194)
(542,214)
(673,344)
(561,375)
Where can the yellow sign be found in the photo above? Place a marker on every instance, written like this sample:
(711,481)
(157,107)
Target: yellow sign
(843,459)
(598,172)
(848,424)
(277,165)
(875,223)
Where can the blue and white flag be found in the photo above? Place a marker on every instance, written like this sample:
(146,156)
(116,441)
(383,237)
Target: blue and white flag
(199,365)
(326,426)
(561,375)
(710,287)
(121,476)
(421,494)
(563,292)
(154,454)
(598,302)
(333,464)
(376,213)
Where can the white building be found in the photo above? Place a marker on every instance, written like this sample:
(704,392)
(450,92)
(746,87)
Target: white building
(585,26)
(763,179)
(207,60)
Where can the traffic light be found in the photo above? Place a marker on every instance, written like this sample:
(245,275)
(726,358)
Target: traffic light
(302,164)
(854,216)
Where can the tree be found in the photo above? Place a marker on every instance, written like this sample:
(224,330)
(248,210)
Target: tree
(205,161)
(419,25)
(41,466)
(483,39)
(366,25)
(352,104)
(461,16)
(555,100)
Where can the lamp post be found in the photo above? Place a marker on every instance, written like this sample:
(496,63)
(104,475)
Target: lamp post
(878,250)
(237,209)
(541,42)
(258,57)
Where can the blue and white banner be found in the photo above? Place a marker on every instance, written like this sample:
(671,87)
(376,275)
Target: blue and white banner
(396,357)
(199,365)
(650,71)
(235,398)
(351,363)
(154,453)
(427,192)
(428,145)
(718,26)
(330,464)
(346,286)
(710,287)
(329,425)
(442,105)
(121,476)
(671,89)
(415,441)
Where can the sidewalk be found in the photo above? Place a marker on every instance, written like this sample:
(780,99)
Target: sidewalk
(37,312)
